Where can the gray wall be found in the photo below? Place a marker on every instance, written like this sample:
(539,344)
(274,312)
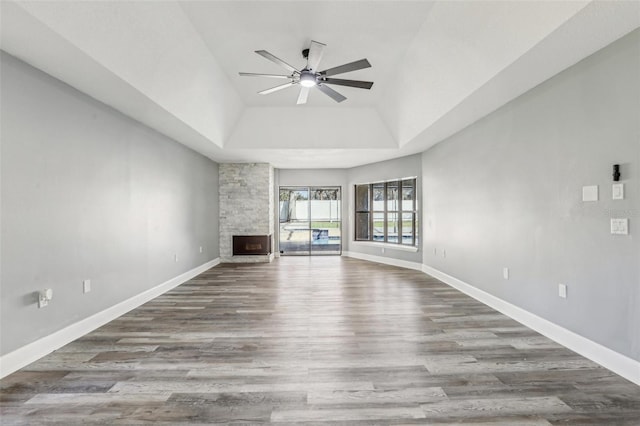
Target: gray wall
(312,177)
(506,192)
(88,193)
(385,170)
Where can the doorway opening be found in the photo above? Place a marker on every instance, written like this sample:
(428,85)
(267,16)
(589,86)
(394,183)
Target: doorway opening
(310,220)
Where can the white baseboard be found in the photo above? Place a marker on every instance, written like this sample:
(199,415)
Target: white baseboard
(31,352)
(382,259)
(618,363)
(614,361)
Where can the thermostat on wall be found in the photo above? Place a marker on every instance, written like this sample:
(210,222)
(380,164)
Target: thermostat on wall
(620,226)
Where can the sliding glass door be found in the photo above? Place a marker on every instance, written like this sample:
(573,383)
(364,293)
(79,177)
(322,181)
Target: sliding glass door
(324,211)
(310,220)
(295,237)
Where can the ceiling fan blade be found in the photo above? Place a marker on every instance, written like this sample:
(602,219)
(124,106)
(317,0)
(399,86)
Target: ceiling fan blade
(252,74)
(278,61)
(304,94)
(351,83)
(352,66)
(275,89)
(315,55)
(331,93)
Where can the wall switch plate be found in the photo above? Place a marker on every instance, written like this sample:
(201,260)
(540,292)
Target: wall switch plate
(200,249)
(562,291)
(175,257)
(505,273)
(617,191)
(620,226)
(435,251)
(590,193)
(86,286)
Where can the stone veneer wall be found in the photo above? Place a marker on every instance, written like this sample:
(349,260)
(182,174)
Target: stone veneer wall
(246,206)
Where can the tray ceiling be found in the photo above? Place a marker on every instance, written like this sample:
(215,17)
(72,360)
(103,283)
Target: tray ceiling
(437,67)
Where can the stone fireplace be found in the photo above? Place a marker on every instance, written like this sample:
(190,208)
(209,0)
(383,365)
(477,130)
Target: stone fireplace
(246,210)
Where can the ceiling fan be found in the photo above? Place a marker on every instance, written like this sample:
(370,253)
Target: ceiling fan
(309,77)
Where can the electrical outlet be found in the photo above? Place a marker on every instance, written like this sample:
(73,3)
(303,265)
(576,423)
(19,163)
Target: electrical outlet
(86,286)
(562,291)
(505,273)
(44,296)
(382,250)
(175,257)
(200,249)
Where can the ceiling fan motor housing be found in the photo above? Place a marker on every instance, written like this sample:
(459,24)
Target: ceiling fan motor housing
(307,78)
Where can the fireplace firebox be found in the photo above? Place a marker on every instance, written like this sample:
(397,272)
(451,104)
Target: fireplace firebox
(244,245)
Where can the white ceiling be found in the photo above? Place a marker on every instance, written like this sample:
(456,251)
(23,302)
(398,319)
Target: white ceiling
(436,66)
(380,32)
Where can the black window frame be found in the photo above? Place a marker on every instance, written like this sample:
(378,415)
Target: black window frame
(366,210)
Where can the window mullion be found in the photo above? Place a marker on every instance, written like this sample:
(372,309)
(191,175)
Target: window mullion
(384,213)
(414,209)
(371,210)
(400,213)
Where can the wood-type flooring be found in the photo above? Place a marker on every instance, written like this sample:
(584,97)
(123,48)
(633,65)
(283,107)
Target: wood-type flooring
(316,340)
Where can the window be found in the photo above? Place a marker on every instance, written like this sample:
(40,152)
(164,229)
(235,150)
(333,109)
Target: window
(387,212)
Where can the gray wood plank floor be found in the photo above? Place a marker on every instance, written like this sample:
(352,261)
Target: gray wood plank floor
(322,340)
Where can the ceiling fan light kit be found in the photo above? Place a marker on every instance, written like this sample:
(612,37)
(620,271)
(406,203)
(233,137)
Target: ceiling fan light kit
(308,77)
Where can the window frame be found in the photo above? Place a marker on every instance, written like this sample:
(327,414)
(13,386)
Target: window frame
(399,211)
